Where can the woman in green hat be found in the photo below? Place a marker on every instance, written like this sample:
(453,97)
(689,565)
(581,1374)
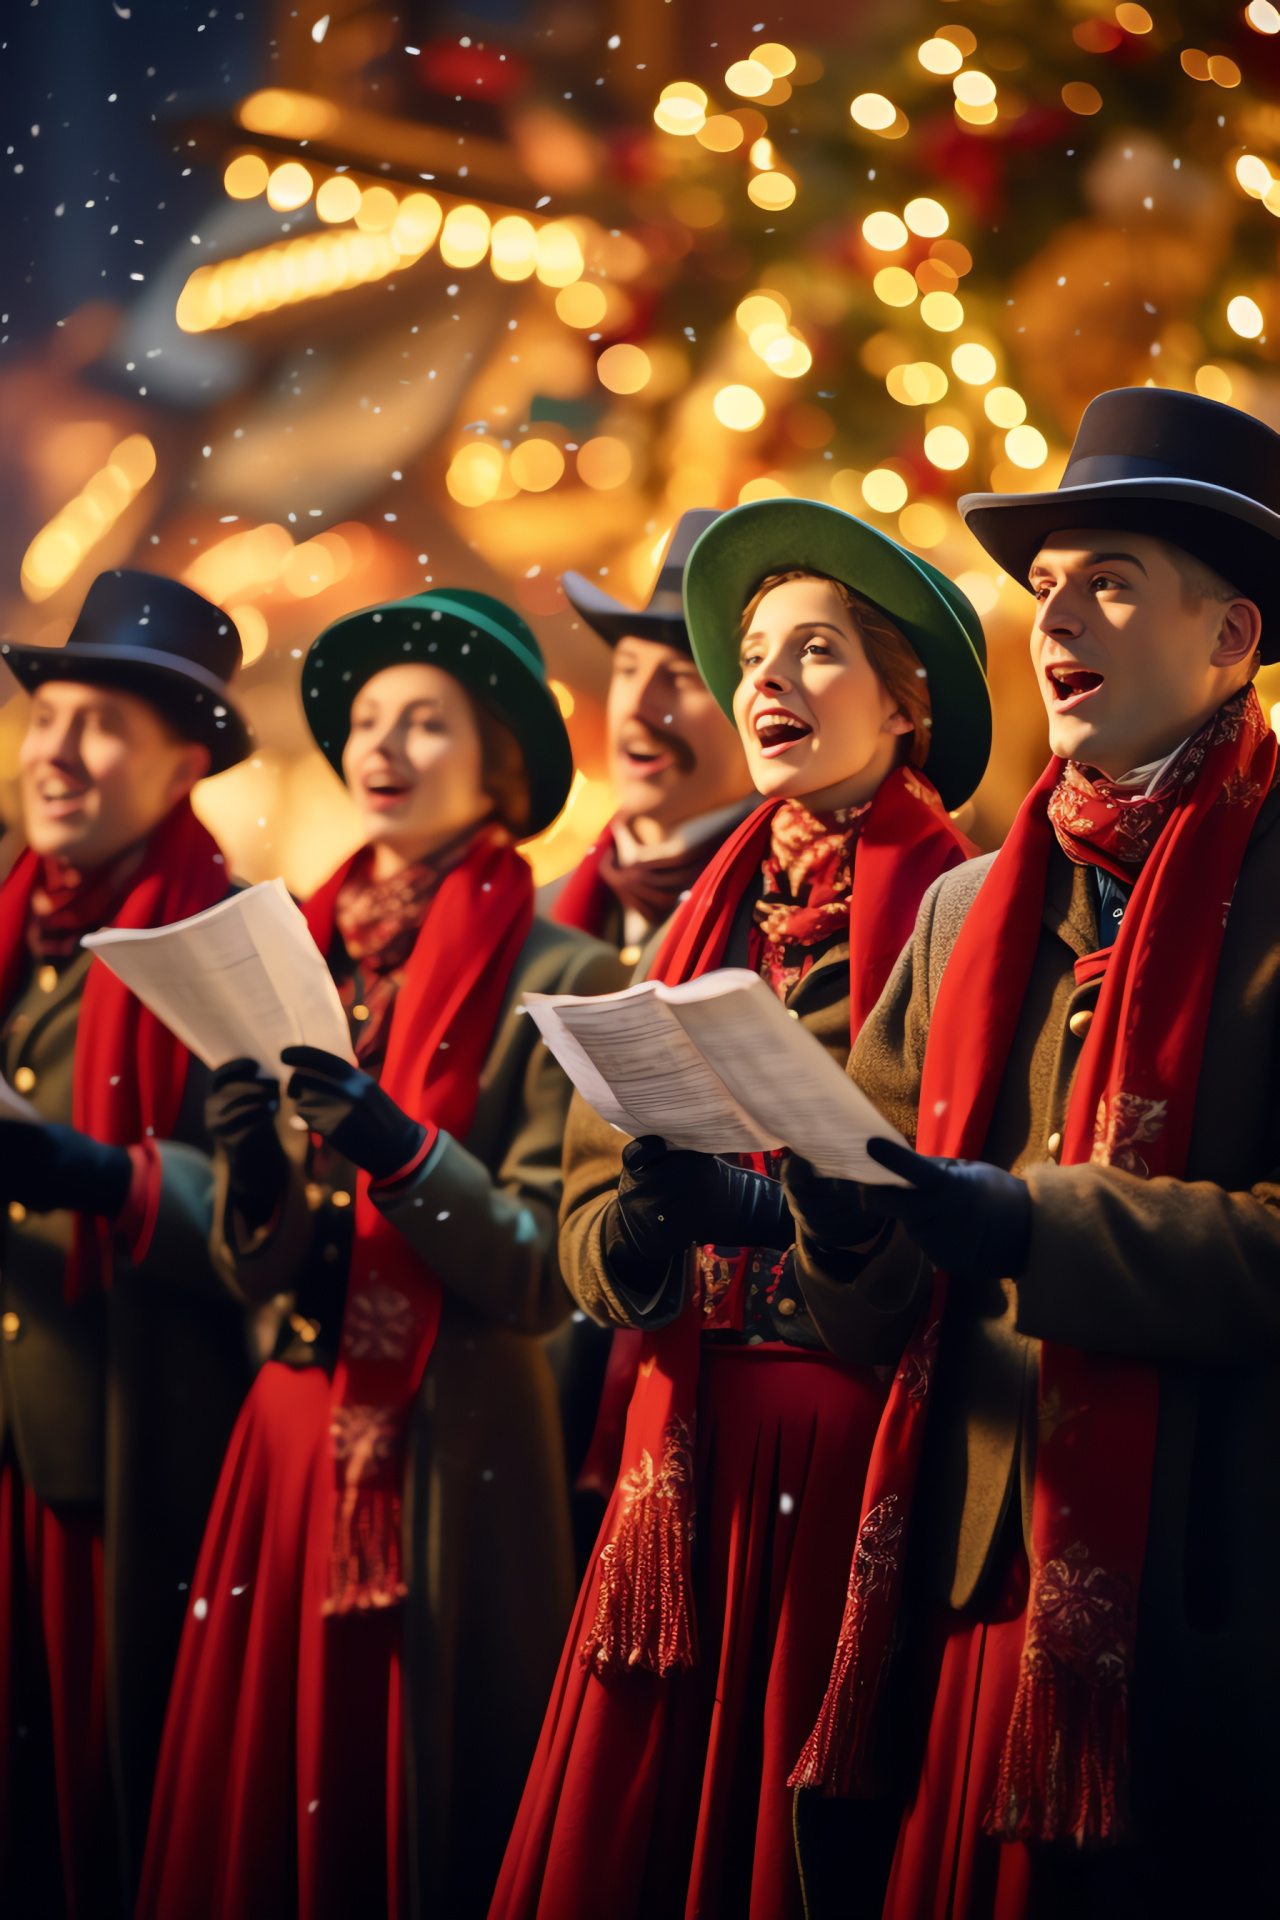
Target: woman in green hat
(698,1657)
(386,1573)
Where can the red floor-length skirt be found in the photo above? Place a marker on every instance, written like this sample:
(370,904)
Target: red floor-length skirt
(649,1799)
(53,1663)
(280,1788)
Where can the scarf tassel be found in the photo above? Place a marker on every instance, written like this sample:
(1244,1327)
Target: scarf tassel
(644,1608)
(1065,1759)
(365,1567)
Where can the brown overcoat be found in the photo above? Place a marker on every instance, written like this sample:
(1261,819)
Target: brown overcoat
(1182,1273)
(486,1512)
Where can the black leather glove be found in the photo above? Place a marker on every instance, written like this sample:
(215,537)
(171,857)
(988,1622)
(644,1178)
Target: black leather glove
(240,1115)
(352,1112)
(669,1200)
(53,1166)
(833,1213)
(969,1217)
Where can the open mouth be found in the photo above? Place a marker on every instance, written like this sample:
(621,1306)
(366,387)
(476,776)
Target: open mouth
(777,730)
(61,800)
(645,756)
(384,793)
(1071,685)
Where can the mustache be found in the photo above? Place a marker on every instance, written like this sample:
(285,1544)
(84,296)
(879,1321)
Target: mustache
(667,740)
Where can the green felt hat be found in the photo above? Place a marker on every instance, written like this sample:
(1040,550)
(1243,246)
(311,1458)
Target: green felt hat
(482,643)
(747,544)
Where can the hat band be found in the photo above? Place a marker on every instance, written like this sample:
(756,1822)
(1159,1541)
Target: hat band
(1095,468)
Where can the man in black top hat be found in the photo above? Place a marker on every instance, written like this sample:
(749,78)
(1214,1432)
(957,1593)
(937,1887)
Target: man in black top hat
(123,1358)
(676,763)
(1098,1725)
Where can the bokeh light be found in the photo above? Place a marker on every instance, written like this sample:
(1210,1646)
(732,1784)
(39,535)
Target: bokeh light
(289,187)
(884,490)
(338,198)
(536,465)
(246,177)
(721,133)
(475,473)
(560,260)
(76,529)
(941,311)
(1245,317)
(922,524)
(464,238)
(1026,447)
(895,286)
(749,79)
(513,248)
(772,191)
(604,463)
(582,304)
(946,448)
(973,364)
(378,209)
(739,407)
(1214,383)
(885,232)
(624,368)
(928,218)
(974,89)
(1004,407)
(873,111)
(939,56)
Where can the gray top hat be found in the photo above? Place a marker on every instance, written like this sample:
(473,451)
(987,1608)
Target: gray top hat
(663,618)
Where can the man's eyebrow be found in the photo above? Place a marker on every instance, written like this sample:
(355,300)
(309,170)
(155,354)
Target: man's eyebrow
(1094,560)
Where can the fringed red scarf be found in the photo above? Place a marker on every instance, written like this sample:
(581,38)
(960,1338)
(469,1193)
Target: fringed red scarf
(1064,1767)
(129,1070)
(644,1611)
(441,1029)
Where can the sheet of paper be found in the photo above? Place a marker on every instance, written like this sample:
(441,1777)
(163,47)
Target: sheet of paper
(14,1107)
(242,978)
(781,1074)
(630,1059)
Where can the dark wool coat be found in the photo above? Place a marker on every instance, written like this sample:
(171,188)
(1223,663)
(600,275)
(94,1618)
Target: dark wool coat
(123,1403)
(1183,1273)
(486,1511)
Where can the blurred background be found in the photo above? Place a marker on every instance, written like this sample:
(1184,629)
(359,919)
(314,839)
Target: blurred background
(315,308)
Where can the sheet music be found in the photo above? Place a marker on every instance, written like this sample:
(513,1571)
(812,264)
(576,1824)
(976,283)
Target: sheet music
(242,978)
(717,1065)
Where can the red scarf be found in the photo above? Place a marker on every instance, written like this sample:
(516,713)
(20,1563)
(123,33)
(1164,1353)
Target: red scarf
(808,878)
(1063,1772)
(129,1070)
(644,1611)
(441,1030)
(650,887)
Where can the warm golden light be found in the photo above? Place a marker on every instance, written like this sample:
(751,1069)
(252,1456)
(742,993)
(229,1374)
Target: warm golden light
(762,310)
(973,364)
(377,210)
(721,134)
(975,89)
(922,525)
(536,465)
(464,238)
(307,268)
(583,304)
(738,407)
(338,198)
(885,232)
(928,218)
(513,248)
(873,111)
(1244,316)
(624,368)
(1026,447)
(416,224)
(787,355)
(918,384)
(772,191)
(748,78)
(1254,175)
(979,589)
(560,260)
(246,177)
(1137,20)
(244,563)
(563,698)
(682,108)
(939,56)
(982,116)
(294,116)
(604,463)
(254,633)
(941,311)
(289,187)
(75,529)
(1004,407)
(1260,14)
(779,60)
(761,154)
(475,473)
(946,447)
(884,490)
(1079,97)
(766,486)
(895,286)
(1214,383)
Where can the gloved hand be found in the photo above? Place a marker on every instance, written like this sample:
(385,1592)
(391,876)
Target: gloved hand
(240,1114)
(969,1217)
(352,1112)
(833,1213)
(54,1166)
(668,1200)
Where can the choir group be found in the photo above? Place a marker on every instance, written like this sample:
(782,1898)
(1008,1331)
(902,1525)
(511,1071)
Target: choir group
(926,1533)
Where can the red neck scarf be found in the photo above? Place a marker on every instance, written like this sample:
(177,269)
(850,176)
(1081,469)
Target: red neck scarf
(129,1070)
(650,887)
(808,880)
(1064,1766)
(644,1610)
(441,1029)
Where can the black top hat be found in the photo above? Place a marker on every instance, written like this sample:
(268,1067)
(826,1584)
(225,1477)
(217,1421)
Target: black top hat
(663,618)
(151,636)
(1204,476)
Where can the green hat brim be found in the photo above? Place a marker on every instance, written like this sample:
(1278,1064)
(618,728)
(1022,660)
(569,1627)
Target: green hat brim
(482,643)
(747,544)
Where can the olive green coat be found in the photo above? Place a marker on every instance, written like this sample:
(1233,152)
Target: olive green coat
(486,1511)
(1182,1273)
(121,1404)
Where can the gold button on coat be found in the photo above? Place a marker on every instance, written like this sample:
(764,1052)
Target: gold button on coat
(786,1306)
(1081,1022)
(47,979)
(24,1079)
(10,1326)
(629,956)
(1054,1144)
(17,1211)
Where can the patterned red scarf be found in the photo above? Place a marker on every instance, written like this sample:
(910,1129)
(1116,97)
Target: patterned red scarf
(441,1030)
(650,887)
(66,904)
(808,878)
(129,1070)
(644,1610)
(1064,1767)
